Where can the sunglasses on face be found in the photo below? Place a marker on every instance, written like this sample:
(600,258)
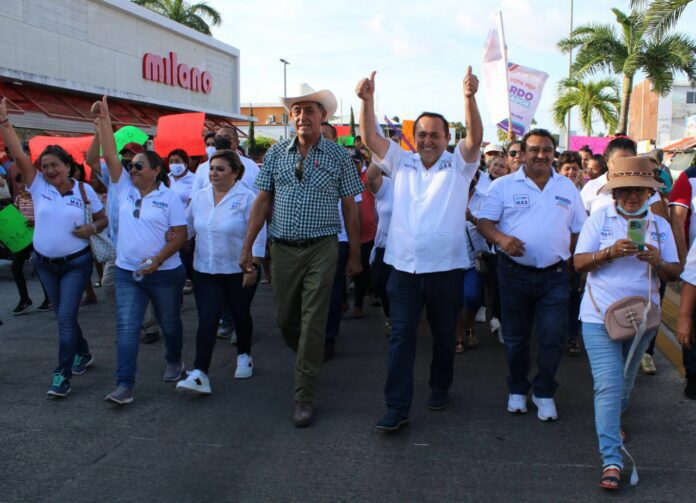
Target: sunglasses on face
(625,192)
(129,166)
(136,211)
(513,153)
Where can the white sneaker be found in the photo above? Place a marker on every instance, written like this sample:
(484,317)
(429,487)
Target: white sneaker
(195,382)
(517,404)
(224,332)
(233,337)
(245,366)
(546,408)
(481,315)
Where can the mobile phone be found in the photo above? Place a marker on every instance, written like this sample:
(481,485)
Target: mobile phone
(636,232)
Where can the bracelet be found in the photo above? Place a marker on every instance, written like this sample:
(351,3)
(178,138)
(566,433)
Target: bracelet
(607,252)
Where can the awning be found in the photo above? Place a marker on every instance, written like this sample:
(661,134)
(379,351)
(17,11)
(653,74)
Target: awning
(681,162)
(65,112)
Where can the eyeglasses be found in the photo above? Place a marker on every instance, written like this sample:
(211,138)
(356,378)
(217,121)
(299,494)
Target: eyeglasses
(513,153)
(136,211)
(299,169)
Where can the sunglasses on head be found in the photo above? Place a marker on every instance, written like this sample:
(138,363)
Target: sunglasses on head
(136,211)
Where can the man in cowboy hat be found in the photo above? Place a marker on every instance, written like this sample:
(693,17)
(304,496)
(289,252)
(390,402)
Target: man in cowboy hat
(305,178)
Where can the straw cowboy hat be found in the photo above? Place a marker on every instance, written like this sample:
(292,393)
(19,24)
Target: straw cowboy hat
(631,172)
(305,92)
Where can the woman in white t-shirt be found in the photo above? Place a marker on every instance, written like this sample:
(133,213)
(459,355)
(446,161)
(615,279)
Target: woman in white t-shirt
(148,267)
(219,216)
(619,267)
(62,257)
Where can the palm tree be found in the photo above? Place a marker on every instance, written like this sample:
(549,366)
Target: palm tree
(193,15)
(661,15)
(600,98)
(632,50)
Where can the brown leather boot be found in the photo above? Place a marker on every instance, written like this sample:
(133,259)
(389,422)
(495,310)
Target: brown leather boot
(304,414)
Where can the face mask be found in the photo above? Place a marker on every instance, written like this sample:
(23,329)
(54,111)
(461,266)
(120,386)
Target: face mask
(223,144)
(177,169)
(210,151)
(640,211)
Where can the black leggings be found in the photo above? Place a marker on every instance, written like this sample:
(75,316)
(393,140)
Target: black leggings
(212,291)
(18,261)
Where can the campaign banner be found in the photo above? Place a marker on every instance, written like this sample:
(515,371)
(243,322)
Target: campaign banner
(495,74)
(525,86)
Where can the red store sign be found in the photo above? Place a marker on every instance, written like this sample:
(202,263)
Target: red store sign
(167,70)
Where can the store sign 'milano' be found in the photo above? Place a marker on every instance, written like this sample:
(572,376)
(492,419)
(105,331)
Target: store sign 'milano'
(167,70)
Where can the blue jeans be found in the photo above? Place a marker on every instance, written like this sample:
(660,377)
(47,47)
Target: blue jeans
(64,284)
(163,288)
(333,322)
(441,293)
(530,298)
(473,289)
(611,388)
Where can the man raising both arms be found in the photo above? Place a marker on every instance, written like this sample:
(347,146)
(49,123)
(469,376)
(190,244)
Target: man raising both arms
(427,243)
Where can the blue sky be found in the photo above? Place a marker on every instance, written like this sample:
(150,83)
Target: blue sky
(419,49)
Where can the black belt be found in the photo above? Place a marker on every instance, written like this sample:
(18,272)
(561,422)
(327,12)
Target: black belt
(300,243)
(61,260)
(529,267)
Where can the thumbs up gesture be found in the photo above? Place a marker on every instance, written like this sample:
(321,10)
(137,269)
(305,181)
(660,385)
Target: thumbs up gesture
(471,83)
(366,88)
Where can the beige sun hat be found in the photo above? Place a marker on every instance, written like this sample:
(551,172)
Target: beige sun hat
(631,172)
(304,92)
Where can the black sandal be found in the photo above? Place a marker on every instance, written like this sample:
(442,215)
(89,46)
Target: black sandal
(610,482)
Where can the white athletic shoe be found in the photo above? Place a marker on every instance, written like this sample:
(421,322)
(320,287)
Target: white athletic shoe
(245,367)
(481,315)
(546,408)
(195,382)
(517,404)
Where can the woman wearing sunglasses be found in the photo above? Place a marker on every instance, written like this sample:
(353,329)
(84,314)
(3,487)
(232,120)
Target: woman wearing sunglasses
(624,248)
(62,257)
(148,267)
(218,216)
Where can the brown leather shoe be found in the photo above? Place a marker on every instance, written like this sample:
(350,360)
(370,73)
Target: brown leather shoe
(304,414)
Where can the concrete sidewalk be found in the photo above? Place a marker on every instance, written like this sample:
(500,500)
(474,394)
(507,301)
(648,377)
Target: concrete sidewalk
(239,444)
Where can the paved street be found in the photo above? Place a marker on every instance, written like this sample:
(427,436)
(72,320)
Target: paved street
(239,444)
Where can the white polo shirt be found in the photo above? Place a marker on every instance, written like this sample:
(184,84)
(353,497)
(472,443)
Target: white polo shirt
(220,230)
(625,276)
(144,237)
(689,273)
(480,192)
(183,186)
(343,235)
(427,228)
(593,201)
(384,202)
(57,215)
(543,220)
(202,175)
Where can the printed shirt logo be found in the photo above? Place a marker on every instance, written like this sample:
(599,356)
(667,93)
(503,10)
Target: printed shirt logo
(446,165)
(654,236)
(77,203)
(159,204)
(606,232)
(521,200)
(563,202)
(235,205)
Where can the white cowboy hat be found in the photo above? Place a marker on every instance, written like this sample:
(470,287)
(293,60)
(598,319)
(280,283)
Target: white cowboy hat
(304,92)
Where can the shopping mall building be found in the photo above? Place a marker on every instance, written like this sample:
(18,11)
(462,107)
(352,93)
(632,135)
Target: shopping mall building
(59,56)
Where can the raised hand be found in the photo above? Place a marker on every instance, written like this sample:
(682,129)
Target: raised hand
(3,109)
(366,88)
(471,83)
(101,109)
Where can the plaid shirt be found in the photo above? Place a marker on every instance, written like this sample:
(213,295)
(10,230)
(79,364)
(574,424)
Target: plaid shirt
(307,209)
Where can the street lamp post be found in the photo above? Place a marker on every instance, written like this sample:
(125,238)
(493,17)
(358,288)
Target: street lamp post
(570,65)
(285,92)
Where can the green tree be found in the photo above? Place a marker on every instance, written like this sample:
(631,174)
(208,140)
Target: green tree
(459,130)
(633,49)
(200,16)
(661,15)
(352,122)
(592,98)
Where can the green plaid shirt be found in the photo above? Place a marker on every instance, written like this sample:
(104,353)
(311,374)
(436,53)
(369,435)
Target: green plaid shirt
(309,208)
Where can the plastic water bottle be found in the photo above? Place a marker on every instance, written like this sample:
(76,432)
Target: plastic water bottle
(138,273)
